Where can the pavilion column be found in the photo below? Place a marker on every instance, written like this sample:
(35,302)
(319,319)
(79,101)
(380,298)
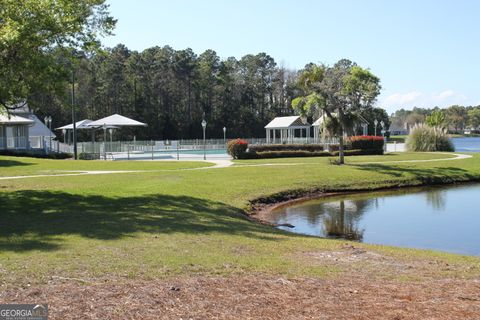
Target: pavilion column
(3,136)
(27,138)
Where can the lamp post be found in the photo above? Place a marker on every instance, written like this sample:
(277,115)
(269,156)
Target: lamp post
(382,124)
(204,126)
(74,135)
(48,123)
(224,135)
(375,122)
(104,141)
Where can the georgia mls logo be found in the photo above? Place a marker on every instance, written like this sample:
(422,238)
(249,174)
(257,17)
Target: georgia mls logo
(23,312)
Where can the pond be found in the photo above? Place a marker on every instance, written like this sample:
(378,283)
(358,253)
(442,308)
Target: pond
(467,144)
(439,218)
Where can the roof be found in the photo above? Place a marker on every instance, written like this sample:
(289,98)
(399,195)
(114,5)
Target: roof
(286,122)
(118,121)
(14,120)
(39,128)
(82,124)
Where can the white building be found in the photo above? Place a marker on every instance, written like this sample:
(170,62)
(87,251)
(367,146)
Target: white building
(22,129)
(290,129)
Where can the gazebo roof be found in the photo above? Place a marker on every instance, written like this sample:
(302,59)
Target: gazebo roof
(14,120)
(82,124)
(117,121)
(287,122)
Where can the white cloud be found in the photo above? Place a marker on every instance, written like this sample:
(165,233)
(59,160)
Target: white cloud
(401,99)
(444,95)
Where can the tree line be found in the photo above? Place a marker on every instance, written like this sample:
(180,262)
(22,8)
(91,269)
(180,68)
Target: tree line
(172,90)
(455,118)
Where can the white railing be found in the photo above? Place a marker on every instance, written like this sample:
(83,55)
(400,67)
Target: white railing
(100,148)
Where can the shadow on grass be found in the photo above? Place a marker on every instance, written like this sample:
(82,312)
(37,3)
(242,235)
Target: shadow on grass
(433,175)
(12,163)
(36,220)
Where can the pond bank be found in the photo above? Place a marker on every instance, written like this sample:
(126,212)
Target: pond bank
(260,209)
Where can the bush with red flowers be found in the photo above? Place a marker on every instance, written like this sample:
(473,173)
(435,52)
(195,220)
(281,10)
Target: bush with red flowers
(237,148)
(365,143)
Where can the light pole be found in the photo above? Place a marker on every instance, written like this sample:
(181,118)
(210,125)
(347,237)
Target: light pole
(104,141)
(375,122)
(204,126)
(48,123)
(74,136)
(224,135)
(382,124)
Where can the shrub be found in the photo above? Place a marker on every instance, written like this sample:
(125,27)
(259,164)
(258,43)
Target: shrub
(335,147)
(365,142)
(288,154)
(89,156)
(286,147)
(237,148)
(425,138)
(359,152)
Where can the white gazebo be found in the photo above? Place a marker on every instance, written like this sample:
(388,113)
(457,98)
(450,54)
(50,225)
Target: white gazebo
(287,128)
(79,125)
(116,120)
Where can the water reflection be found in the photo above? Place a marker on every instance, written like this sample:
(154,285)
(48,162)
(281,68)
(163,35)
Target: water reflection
(337,219)
(445,218)
(436,199)
(340,219)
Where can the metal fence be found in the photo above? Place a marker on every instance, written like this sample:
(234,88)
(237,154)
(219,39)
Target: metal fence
(150,149)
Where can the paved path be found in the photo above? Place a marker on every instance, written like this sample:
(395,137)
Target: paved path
(217,165)
(458,156)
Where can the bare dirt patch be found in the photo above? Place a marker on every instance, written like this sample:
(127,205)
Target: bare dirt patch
(256,297)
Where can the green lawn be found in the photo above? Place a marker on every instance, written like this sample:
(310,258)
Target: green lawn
(164,223)
(15,166)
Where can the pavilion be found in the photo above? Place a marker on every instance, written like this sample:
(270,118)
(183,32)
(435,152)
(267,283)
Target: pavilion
(287,128)
(67,130)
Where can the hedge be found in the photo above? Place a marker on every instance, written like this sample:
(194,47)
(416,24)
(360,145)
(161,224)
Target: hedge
(359,152)
(365,142)
(289,154)
(286,147)
(302,154)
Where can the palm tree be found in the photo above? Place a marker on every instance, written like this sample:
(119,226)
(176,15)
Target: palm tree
(339,92)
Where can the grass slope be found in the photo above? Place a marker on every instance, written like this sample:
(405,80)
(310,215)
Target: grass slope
(188,222)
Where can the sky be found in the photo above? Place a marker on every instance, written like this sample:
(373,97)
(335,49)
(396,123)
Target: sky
(425,52)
